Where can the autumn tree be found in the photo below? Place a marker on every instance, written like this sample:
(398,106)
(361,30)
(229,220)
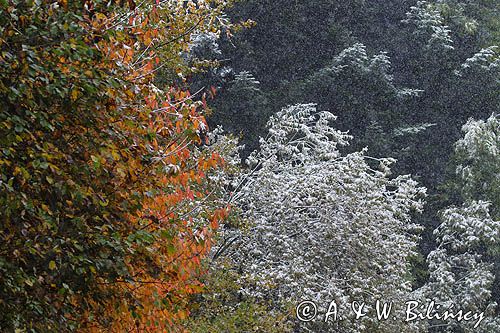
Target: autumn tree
(107,207)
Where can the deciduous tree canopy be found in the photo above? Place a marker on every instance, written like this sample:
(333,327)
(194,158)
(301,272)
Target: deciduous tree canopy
(106,205)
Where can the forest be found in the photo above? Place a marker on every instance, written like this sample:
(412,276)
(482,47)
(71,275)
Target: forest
(227,166)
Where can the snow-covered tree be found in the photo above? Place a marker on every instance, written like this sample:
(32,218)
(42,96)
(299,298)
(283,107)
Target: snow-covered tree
(464,269)
(245,110)
(429,25)
(461,273)
(326,226)
(360,87)
(478,153)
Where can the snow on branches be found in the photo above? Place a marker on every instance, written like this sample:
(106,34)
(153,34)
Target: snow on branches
(326,226)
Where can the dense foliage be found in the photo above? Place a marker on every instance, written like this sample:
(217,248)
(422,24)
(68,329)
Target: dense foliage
(106,205)
(326,225)
(121,211)
(402,77)
(465,266)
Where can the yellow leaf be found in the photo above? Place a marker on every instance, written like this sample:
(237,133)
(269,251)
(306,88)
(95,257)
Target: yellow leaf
(52,265)
(115,155)
(74,94)
(100,16)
